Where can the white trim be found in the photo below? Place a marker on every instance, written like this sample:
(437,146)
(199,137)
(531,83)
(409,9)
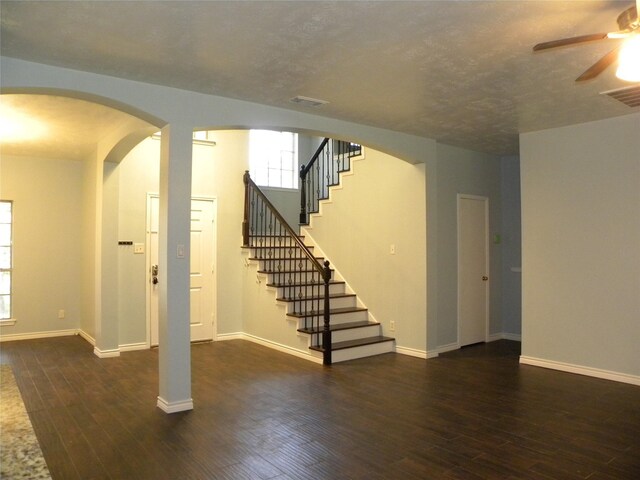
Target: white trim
(87,337)
(214,267)
(230,336)
(581,370)
(30,336)
(487,261)
(504,336)
(432,354)
(174,407)
(268,343)
(129,347)
(448,348)
(114,352)
(412,352)
(8,322)
(512,336)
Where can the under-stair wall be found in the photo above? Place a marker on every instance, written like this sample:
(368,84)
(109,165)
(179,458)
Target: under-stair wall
(380,208)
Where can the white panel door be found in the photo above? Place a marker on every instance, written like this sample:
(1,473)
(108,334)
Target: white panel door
(473,267)
(202,286)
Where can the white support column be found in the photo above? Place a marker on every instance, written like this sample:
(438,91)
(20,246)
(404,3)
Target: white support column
(174,250)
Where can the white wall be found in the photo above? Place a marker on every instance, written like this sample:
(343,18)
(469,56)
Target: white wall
(467,172)
(381,204)
(511,247)
(48,241)
(139,174)
(217,172)
(581,245)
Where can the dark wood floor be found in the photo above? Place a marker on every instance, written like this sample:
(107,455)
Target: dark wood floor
(261,414)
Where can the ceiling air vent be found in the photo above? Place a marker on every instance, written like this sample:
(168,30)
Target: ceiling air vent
(308,102)
(630,96)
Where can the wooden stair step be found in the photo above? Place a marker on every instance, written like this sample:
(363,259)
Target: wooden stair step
(355,343)
(285,271)
(316,297)
(267,247)
(339,326)
(333,311)
(303,284)
(257,259)
(274,236)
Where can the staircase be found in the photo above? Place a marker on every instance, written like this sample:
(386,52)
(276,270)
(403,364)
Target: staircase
(338,327)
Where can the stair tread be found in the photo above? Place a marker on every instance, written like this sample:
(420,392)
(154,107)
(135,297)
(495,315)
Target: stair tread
(316,297)
(333,311)
(304,284)
(256,259)
(355,343)
(285,271)
(274,236)
(339,326)
(275,246)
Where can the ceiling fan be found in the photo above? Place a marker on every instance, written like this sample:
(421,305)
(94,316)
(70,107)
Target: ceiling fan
(629,24)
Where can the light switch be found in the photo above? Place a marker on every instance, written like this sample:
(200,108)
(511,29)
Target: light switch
(138,248)
(180,252)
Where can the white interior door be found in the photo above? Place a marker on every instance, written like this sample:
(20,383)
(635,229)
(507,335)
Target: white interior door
(202,293)
(473,268)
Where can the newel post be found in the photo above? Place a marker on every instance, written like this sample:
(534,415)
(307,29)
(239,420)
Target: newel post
(326,332)
(303,195)
(245,220)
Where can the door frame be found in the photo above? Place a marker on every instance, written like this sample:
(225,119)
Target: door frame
(459,197)
(214,273)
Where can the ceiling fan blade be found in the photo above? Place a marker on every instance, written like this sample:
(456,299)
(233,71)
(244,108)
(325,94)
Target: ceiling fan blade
(600,66)
(570,41)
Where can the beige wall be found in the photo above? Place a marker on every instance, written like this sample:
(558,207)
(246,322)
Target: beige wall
(381,204)
(466,172)
(581,245)
(48,242)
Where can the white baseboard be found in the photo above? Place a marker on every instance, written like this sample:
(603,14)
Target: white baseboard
(268,343)
(230,336)
(113,352)
(448,348)
(130,347)
(33,335)
(581,370)
(175,407)
(504,336)
(412,352)
(432,354)
(512,336)
(87,337)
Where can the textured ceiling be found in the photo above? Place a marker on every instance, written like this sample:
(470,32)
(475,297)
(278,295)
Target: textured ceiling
(460,72)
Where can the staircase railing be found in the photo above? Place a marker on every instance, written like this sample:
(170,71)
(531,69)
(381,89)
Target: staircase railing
(302,278)
(323,171)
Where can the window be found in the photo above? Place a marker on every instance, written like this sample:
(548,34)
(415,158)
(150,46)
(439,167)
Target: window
(273,158)
(5,259)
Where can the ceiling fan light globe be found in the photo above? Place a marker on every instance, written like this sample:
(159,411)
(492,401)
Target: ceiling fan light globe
(629,60)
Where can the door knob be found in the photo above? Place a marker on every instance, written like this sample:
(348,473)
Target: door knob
(485,278)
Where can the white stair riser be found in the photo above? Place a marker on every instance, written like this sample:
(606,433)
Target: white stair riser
(273,252)
(361,352)
(359,316)
(351,334)
(285,265)
(272,241)
(340,302)
(286,277)
(311,290)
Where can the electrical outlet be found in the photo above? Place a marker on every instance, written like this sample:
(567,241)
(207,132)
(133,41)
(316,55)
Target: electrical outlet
(392,326)
(61,314)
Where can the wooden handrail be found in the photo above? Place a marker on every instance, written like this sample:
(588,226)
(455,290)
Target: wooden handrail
(250,183)
(254,194)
